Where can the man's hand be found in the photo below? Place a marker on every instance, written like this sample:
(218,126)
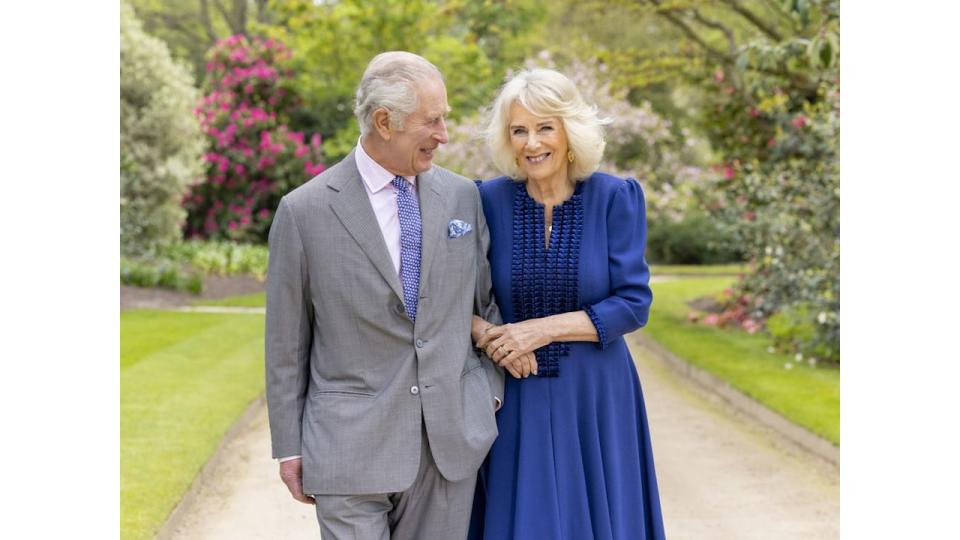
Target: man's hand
(291,472)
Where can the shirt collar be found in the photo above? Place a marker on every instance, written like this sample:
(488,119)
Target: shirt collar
(372,173)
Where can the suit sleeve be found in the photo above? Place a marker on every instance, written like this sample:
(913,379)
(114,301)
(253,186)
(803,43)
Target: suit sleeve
(289,324)
(485,306)
(628,306)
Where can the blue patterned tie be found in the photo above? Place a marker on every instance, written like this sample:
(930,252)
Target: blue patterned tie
(409,212)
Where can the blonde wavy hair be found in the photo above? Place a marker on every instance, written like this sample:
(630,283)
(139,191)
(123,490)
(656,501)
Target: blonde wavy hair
(547,93)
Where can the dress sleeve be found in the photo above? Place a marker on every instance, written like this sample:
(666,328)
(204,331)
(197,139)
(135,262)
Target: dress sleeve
(628,306)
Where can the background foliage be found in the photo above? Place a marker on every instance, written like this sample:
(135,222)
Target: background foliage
(472,42)
(727,111)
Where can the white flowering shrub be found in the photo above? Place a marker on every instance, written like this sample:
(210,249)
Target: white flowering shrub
(160,140)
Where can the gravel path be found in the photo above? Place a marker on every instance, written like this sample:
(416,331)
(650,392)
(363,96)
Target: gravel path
(721,477)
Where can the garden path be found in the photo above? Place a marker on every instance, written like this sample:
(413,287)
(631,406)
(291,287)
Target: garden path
(721,476)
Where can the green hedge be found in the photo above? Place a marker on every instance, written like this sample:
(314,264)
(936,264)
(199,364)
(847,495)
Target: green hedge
(697,239)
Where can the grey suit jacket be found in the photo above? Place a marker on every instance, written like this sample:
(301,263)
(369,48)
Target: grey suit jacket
(350,378)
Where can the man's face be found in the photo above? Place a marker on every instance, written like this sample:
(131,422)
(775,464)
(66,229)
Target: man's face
(410,150)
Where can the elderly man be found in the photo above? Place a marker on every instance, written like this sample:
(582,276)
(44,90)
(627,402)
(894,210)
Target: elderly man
(380,410)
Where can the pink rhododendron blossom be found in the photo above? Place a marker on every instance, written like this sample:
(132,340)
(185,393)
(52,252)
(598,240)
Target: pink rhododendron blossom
(799,121)
(296,136)
(264,162)
(258,114)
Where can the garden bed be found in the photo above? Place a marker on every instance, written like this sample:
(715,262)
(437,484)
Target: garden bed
(214,288)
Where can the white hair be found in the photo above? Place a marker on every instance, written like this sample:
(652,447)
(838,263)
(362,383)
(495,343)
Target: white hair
(547,93)
(391,81)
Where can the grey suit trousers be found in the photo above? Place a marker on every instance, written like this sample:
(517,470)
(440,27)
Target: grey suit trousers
(433,508)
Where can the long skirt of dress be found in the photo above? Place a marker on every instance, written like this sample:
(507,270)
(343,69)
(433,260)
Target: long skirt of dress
(573,460)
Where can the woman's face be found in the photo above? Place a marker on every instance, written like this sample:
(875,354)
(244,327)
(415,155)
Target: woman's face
(539,145)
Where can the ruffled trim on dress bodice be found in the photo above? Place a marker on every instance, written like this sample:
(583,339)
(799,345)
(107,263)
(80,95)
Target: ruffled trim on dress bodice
(544,281)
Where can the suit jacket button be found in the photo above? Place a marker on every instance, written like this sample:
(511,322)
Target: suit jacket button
(400,309)
(414,390)
(419,343)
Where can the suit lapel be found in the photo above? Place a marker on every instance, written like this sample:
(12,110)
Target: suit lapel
(432,212)
(352,208)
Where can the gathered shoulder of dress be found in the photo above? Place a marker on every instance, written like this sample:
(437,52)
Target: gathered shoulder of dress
(573,459)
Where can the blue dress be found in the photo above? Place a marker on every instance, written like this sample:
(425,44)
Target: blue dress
(573,459)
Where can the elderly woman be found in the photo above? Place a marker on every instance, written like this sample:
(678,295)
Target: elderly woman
(573,459)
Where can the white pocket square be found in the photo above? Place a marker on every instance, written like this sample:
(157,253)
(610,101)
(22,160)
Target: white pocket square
(458,228)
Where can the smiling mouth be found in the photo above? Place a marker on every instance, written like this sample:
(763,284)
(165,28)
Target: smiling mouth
(429,153)
(537,159)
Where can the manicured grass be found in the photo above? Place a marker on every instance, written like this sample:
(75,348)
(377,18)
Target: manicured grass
(808,396)
(697,270)
(250,300)
(184,380)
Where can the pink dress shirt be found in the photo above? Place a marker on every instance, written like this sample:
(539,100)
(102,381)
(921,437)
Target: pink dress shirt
(383,199)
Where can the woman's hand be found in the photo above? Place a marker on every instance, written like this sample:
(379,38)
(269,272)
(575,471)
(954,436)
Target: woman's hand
(508,343)
(520,366)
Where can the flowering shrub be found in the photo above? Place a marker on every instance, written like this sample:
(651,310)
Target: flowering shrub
(779,184)
(254,157)
(160,141)
(730,311)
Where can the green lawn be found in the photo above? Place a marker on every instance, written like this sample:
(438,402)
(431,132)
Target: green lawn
(184,380)
(808,396)
(249,300)
(697,270)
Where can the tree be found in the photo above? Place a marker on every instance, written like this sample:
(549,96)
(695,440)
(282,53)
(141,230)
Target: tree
(160,141)
(191,27)
(332,42)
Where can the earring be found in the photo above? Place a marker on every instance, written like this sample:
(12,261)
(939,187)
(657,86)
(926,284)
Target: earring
(570,156)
